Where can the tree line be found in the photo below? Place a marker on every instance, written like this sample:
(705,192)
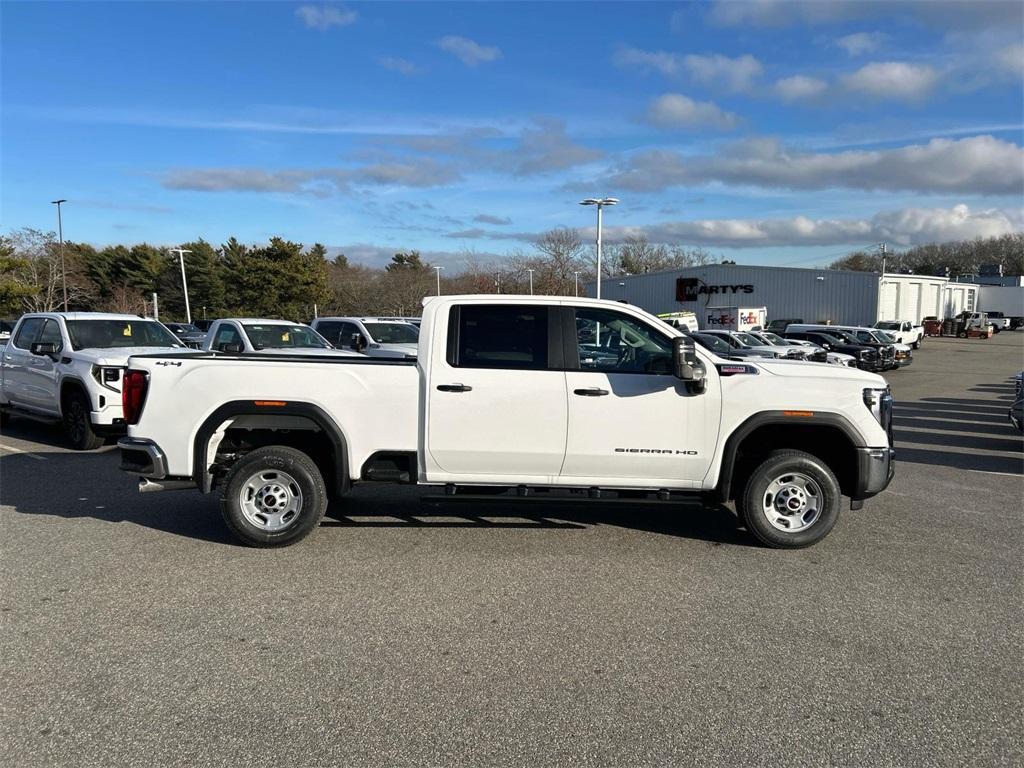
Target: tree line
(284,279)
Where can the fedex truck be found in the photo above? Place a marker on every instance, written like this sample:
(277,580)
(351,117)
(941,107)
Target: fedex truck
(735,318)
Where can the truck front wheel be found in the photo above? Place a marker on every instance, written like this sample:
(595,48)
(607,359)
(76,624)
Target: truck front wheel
(77,423)
(273,496)
(791,500)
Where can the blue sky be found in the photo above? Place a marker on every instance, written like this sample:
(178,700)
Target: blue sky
(769,132)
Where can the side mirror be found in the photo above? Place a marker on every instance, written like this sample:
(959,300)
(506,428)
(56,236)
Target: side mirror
(686,365)
(43,348)
(358,342)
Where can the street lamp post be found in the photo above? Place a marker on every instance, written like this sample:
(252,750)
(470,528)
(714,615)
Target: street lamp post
(184,285)
(576,283)
(600,203)
(63,270)
(531,271)
(438,271)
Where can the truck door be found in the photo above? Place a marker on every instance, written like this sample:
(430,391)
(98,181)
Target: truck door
(41,378)
(495,396)
(631,422)
(18,360)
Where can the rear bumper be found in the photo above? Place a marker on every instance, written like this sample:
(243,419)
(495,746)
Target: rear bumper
(875,470)
(142,457)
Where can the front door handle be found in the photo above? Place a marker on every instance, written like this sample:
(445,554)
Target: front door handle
(453,388)
(591,392)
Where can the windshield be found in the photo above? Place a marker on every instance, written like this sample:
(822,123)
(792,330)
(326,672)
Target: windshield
(183,328)
(771,338)
(750,341)
(834,338)
(393,333)
(885,338)
(110,334)
(888,326)
(275,336)
(713,343)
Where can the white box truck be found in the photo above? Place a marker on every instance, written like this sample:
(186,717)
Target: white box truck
(735,318)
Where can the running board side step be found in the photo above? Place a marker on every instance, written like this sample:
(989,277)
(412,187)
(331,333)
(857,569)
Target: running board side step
(152,486)
(518,494)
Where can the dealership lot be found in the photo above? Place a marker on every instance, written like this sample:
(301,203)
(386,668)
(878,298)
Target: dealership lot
(135,632)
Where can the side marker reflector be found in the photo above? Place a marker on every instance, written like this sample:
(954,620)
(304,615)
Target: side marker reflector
(798,413)
(277,403)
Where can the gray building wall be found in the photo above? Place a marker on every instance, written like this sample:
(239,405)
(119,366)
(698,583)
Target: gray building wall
(814,295)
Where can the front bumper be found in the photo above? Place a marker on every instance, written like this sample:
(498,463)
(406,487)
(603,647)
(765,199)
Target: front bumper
(875,470)
(142,457)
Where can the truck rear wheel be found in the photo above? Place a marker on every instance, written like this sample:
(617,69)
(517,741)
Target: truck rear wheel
(791,500)
(273,497)
(77,423)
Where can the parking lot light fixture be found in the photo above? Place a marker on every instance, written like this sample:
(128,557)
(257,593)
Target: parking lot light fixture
(600,203)
(184,285)
(60,234)
(531,271)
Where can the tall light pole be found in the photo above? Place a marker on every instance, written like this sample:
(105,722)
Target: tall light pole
(184,285)
(438,270)
(576,283)
(60,234)
(531,271)
(600,203)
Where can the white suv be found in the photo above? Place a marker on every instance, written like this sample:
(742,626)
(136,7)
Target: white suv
(67,366)
(373,336)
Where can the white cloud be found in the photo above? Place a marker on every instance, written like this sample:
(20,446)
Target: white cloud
(323,17)
(981,165)
(468,51)
(673,111)
(799,87)
(666,63)
(893,80)
(860,43)
(908,226)
(1011,59)
(396,64)
(735,75)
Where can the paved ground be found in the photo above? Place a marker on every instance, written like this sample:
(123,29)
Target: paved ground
(135,633)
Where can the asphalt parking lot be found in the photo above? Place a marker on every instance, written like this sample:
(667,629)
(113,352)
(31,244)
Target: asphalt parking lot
(135,632)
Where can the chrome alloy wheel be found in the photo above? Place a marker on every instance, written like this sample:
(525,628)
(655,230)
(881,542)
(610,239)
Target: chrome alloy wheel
(270,500)
(792,502)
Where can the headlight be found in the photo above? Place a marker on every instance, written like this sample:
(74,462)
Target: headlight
(879,402)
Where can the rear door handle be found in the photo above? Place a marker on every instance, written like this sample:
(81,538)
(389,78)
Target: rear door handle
(453,388)
(591,392)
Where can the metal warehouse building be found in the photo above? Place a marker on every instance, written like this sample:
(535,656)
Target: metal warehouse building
(813,295)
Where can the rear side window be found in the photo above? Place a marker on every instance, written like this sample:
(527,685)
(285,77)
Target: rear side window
(28,332)
(489,336)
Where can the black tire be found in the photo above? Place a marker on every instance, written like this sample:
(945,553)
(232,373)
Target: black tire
(782,464)
(78,425)
(304,487)
(5,418)
(917,344)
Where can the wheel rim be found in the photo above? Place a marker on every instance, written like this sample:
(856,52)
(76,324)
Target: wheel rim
(76,423)
(270,500)
(792,502)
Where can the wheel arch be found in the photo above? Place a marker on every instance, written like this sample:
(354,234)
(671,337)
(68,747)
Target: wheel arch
(829,436)
(69,384)
(339,470)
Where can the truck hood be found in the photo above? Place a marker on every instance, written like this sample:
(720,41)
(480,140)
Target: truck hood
(802,368)
(118,357)
(405,349)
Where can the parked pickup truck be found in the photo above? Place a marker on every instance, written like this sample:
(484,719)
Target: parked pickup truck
(505,397)
(904,331)
(67,367)
(268,337)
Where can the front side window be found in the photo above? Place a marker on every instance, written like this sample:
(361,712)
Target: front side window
(51,335)
(496,336)
(266,336)
(616,343)
(393,333)
(111,334)
(226,335)
(28,332)
(330,330)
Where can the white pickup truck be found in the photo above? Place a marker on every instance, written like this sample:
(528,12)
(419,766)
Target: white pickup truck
(253,336)
(505,397)
(66,366)
(904,331)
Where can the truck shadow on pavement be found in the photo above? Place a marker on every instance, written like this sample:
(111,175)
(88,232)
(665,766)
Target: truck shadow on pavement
(72,485)
(960,432)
